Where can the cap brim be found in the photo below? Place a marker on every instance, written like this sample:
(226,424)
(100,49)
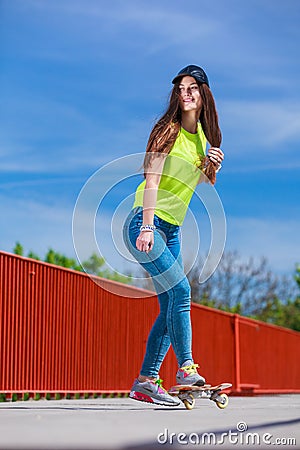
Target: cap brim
(178,77)
(181,76)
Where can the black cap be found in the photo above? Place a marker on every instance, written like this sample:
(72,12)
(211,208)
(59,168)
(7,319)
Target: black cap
(192,71)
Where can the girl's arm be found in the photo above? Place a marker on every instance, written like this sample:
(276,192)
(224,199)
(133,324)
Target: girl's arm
(145,239)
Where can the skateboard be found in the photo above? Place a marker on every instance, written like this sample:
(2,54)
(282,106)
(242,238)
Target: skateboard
(188,394)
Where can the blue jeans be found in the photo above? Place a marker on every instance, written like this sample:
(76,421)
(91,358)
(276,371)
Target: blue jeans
(164,264)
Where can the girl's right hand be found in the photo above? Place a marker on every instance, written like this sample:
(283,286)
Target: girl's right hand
(145,241)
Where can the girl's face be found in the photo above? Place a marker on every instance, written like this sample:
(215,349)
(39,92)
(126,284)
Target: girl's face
(189,95)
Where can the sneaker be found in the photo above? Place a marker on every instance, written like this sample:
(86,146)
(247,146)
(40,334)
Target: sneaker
(188,375)
(152,392)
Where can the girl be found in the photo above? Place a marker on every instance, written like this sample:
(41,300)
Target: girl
(175,162)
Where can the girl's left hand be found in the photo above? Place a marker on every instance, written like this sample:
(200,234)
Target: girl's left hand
(216,155)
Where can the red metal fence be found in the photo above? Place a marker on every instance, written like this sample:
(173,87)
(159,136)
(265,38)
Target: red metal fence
(62,332)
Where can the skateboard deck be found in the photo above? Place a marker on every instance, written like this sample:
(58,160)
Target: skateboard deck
(188,394)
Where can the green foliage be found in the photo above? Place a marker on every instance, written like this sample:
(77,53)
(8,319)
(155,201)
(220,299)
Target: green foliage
(297,275)
(282,314)
(26,396)
(95,266)
(53,257)
(291,315)
(18,249)
(33,255)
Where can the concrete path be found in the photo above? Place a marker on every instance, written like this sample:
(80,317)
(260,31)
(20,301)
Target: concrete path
(247,422)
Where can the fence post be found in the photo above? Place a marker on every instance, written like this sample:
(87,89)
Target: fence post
(237,360)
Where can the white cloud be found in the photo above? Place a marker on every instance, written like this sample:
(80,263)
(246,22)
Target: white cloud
(42,117)
(39,135)
(159,28)
(36,225)
(276,239)
(222,35)
(261,125)
(42,135)
(158,19)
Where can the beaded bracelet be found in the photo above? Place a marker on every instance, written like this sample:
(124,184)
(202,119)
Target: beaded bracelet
(147,228)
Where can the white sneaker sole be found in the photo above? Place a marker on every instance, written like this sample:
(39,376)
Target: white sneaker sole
(141,397)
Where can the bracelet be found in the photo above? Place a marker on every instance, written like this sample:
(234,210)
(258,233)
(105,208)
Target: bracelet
(219,168)
(147,228)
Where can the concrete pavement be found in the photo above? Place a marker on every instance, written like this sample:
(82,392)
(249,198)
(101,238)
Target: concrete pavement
(247,422)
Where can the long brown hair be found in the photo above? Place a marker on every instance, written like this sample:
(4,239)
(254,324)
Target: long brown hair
(165,131)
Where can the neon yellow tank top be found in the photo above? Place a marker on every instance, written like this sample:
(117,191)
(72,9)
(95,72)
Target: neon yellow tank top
(179,177)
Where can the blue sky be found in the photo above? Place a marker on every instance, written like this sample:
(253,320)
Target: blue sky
(83,81)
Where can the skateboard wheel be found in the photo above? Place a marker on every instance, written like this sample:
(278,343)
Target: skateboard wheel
(222,404)
(189,402)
